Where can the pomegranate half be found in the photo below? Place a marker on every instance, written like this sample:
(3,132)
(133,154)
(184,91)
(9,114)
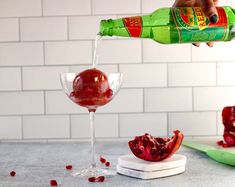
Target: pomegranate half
(228,117)
(149,148)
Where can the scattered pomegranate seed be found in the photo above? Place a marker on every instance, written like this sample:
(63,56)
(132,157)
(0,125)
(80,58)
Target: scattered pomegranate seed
(92,179)
(69,167)
(96,179)
(220,142)
(226,145)
(102,159)
(100,179)
(53,183)
(107,164)
(12,173)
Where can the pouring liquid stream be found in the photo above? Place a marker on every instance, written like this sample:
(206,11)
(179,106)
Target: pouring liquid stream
(96,50)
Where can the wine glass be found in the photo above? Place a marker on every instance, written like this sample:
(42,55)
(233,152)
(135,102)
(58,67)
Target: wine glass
(86,97)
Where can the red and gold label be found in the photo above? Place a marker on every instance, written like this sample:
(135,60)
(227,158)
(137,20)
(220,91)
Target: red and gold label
(193,25)
(133,25)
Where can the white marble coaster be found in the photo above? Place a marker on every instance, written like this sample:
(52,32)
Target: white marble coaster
(150,175)
(132,162)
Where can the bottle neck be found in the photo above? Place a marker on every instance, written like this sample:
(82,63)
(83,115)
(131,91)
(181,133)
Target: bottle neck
(106,27)
(233,32)
(233,28)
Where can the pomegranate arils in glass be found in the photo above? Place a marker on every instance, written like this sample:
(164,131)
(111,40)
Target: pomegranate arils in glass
(12,173)
(100,179)
(69,167)
(102,159)
(107,164)
(92,179)
(53,183)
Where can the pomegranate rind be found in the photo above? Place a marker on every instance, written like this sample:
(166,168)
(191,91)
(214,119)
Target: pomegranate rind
(228,118)
(171,144)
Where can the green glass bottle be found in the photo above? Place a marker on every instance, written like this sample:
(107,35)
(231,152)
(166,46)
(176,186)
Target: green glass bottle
(174,25)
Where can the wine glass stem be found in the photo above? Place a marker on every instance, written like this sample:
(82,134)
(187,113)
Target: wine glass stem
(92,128)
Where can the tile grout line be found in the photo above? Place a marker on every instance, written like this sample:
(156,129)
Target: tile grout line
(19,30)
(91,7)
(68,28)
(142,62)
(119,127)
(70,127)
(22,82)
(191,53)
(216,74)
(107,113)
(167,86)
(22,88)
(167,124)
(42,7)
(191,58)
(44,53)
(193,108)
(44,103)
(22,127)
(217,125)
(123,88)
(216,84)
(167,76)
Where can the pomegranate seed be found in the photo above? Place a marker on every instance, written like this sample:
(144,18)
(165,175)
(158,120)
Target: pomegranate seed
(100,179)
(220,142)
(107,164)
(12,173)
(226,145)
(102,159)
(69,167)
(53,183)
(92,179)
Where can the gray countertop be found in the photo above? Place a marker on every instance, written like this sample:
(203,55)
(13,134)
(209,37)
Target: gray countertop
(37,163)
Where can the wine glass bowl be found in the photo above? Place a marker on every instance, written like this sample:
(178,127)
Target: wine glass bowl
(91,94)
(91,89)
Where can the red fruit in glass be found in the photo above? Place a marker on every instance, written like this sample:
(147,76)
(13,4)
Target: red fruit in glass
(91,89)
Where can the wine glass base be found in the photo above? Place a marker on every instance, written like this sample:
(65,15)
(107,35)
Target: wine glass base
(94,171)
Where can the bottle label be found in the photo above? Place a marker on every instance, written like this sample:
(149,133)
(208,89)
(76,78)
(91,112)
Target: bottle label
(133,25)
(193,25)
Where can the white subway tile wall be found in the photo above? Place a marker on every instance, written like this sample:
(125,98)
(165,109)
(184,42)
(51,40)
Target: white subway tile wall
(165,87)
(9,29)
(85,27)
(106,126)
(43,28)
(68,52)
(132,124)
(21,54)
